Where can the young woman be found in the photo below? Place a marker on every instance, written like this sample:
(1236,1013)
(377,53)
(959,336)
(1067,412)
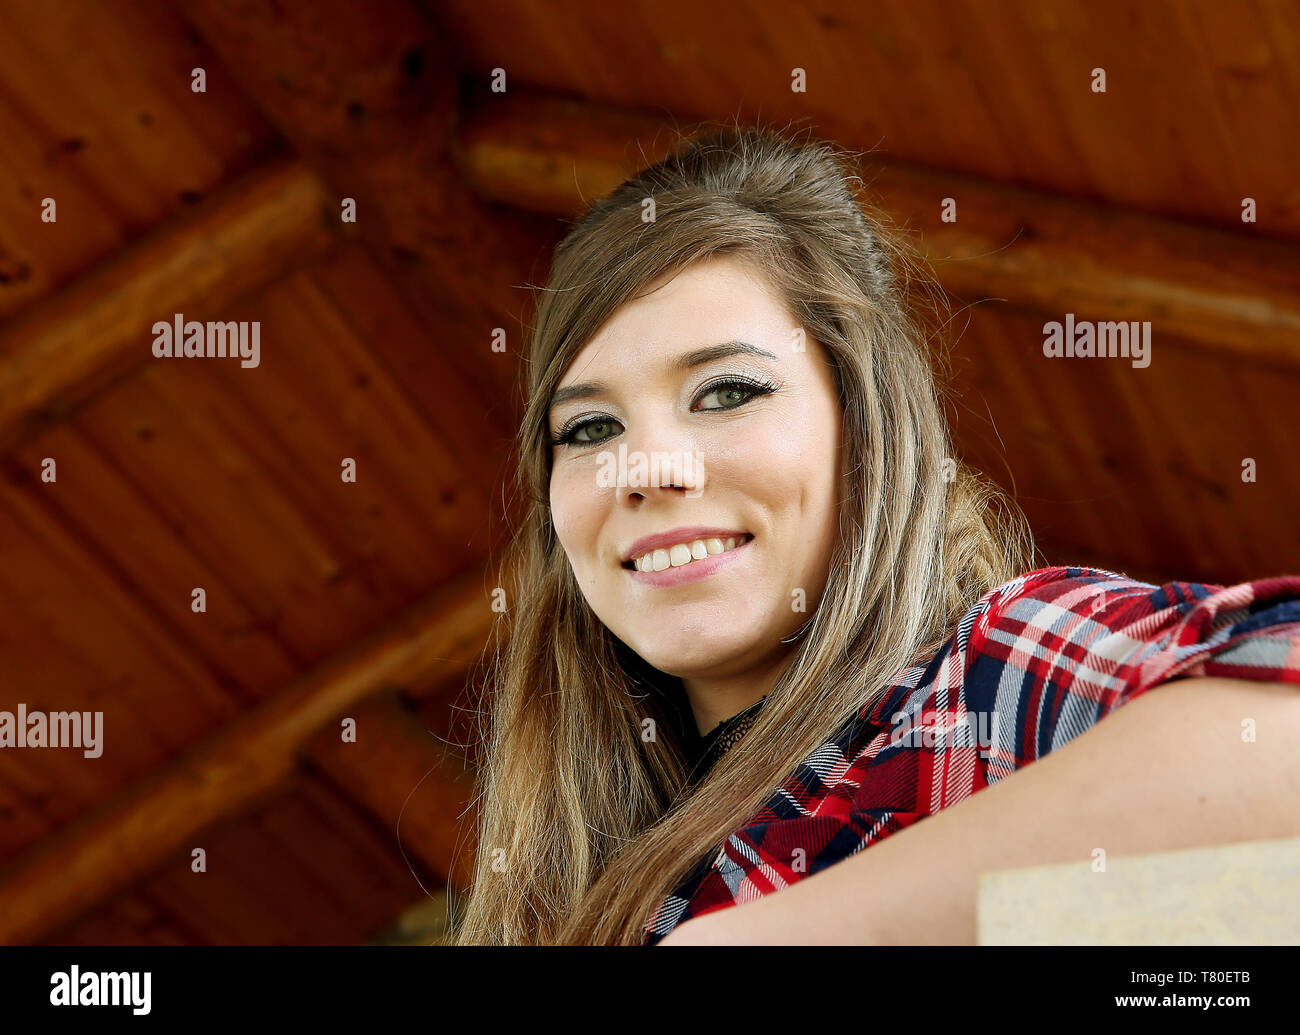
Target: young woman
(762,619)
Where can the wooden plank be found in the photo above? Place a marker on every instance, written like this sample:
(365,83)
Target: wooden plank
(1137,474)
(1208,288)
(913,77)
(367,95)
(429,508)
(230,465)
(130,835)
(119,498)
(117,137)
(344,849)
(402,350)
(81,339)
(291,906)
(98,639)
(415,787)
(125,920)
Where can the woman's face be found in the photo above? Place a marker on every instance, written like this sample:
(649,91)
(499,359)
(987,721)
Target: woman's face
(765,465)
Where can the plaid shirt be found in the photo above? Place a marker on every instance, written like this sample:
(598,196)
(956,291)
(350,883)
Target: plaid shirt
(1034,663)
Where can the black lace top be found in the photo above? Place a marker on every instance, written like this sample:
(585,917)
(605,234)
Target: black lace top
(703,751)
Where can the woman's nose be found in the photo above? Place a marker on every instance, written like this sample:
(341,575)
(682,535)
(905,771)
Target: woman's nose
(661,457)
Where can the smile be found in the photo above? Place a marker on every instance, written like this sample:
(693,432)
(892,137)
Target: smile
(687,562)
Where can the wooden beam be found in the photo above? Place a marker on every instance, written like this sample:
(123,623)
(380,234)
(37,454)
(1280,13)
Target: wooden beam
(140,828)
(553,155)
(1224,291)
(368,95)
(74,343)
(419,790)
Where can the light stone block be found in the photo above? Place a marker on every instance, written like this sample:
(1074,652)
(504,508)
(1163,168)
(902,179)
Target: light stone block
(1238,894)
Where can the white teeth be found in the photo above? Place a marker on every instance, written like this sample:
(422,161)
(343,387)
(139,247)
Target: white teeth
(683,553)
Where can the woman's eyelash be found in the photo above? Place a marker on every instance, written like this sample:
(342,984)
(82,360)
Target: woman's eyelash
(755,388)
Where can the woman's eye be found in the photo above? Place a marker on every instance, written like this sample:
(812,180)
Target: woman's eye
(735,393)
(597,431)
(730,396)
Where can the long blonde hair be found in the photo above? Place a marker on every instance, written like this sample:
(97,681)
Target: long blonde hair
(583,826)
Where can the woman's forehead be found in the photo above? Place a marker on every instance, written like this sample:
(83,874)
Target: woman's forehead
(702,304)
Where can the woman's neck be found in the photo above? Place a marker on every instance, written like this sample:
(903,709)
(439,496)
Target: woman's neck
(714,700)
(711,712)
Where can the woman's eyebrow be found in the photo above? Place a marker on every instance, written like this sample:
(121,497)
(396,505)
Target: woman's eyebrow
(686,361)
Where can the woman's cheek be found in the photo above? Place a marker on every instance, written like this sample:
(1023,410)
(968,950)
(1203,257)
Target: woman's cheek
(783,444)
(566,506)
(576,514)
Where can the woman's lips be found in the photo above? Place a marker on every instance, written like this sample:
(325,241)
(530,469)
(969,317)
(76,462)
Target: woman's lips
(692,571)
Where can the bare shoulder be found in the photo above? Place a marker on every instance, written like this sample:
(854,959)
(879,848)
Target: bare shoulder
(1228,690)
(1252,706)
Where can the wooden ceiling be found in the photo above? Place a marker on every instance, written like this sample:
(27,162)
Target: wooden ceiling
(369,600)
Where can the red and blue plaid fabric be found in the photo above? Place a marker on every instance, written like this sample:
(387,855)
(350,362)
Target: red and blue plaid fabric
(1034,663)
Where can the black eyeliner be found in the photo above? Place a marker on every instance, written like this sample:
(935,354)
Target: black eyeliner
(758,387)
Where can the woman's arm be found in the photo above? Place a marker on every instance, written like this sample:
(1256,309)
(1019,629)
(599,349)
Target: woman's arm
(1168,770)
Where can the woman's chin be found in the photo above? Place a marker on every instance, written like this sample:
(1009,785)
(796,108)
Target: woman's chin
(687,660)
